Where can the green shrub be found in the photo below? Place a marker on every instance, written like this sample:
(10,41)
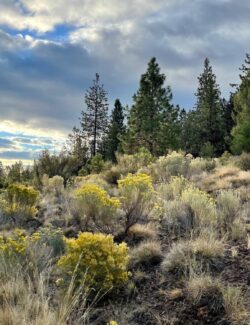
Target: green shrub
(174,164)
(113,174)
(84,171)
(132,163)
(207,150)
(228,205)
(95,260)
(173,189)
(243,161)
(173,216)
(96,206)
(224,159)
(127,164)
(135,195)
(56,184)
(96,164)
(202,205)
(199,165)
(50,237)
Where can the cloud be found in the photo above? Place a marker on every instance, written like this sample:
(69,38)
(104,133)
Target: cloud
(5,143)
(51,50)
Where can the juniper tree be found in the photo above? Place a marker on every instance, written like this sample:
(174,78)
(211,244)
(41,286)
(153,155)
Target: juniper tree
(94,120)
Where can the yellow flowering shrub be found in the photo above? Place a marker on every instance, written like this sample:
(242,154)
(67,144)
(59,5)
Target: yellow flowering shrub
(95,260)
(135,195)
(112,322)
(141,183)
(20,200)
(202,205)
(96,205)
(13,246)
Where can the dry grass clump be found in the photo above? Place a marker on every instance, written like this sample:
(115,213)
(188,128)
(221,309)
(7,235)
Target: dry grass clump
(179,259)
(200,285)
(29,301)
(208,246)
(193,254)
(204,289)
(25,303)
(140,232)
(226,177)
(237,230)
(234,304)
(146,254)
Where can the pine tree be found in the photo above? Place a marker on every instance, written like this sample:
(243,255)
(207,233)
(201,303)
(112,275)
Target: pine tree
(208,113)
(241,132)
(190,134)
(94,121)
(115,131)
(151,115)
(228,121)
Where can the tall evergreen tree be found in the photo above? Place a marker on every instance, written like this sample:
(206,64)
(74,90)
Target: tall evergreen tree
(241,132)
(151,115)
(228,121)
(208,113)
(190,134)
(94,121)
(115,131)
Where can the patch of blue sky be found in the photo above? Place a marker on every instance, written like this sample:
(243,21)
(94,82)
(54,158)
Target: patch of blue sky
(60,33)
(34,146)
(18,155)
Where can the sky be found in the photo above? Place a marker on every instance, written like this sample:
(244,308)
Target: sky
(50,51)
